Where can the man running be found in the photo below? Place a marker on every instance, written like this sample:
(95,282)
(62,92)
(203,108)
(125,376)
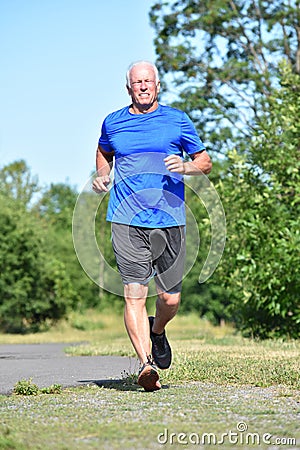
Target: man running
(147,141)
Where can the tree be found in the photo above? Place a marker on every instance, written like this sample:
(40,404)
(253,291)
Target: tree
(34,287)
(56,205)
(17,182)
(221,56)
(261,195)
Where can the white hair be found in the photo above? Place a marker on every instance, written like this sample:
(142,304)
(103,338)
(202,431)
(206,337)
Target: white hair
(137,63)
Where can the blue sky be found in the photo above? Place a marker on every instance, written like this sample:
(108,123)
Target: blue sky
(63,65)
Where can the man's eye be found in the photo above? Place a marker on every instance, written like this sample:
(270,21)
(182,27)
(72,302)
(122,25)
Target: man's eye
(135,83)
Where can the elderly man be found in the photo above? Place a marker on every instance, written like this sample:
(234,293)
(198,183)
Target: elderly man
(146,208)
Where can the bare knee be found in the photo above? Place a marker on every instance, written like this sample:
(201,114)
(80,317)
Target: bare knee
(171,300)
(135,293)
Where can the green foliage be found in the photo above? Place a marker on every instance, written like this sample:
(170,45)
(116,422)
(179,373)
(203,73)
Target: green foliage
(27,387)
(53,389)
(34,286)
(262,202)
(56,205)
(221,58)
(16,182)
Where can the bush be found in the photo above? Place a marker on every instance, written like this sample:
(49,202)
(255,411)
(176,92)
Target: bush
(34,287)
(261,198)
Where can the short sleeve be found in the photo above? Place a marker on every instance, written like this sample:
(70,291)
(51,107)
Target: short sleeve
(190,141)
(103,140)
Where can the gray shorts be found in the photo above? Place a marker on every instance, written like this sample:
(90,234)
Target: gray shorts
(144,253)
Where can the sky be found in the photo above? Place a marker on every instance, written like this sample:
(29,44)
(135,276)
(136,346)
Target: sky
(62,70)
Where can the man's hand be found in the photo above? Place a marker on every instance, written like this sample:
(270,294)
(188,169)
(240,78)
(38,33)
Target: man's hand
(100,184)
(174,163)
(200,164)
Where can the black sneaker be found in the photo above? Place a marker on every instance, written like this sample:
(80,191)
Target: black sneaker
(161,350)
(148,377)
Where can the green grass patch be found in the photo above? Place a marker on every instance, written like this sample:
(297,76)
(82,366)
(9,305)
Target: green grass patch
(113,417)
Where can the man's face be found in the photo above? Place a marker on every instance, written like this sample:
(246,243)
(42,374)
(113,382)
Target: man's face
(143,88)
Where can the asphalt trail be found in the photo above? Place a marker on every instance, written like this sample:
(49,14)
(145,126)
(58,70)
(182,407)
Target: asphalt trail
(48,364)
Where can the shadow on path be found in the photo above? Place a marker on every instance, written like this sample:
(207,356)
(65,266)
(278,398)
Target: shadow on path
(119,384)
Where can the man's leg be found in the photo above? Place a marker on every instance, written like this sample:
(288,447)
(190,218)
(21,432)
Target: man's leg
(166,308)
(137,325)
(136,319)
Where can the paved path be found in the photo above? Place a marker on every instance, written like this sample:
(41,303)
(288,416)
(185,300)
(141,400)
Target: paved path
(47,364)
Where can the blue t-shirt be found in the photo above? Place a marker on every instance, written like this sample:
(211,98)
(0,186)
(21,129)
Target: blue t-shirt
(144,193)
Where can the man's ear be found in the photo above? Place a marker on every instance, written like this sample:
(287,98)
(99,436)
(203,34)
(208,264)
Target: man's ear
(128,90)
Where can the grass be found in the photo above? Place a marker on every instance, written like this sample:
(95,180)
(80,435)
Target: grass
(219,384)
(109,418)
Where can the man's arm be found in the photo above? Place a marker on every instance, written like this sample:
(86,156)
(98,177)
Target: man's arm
(103,165)
(201,163)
